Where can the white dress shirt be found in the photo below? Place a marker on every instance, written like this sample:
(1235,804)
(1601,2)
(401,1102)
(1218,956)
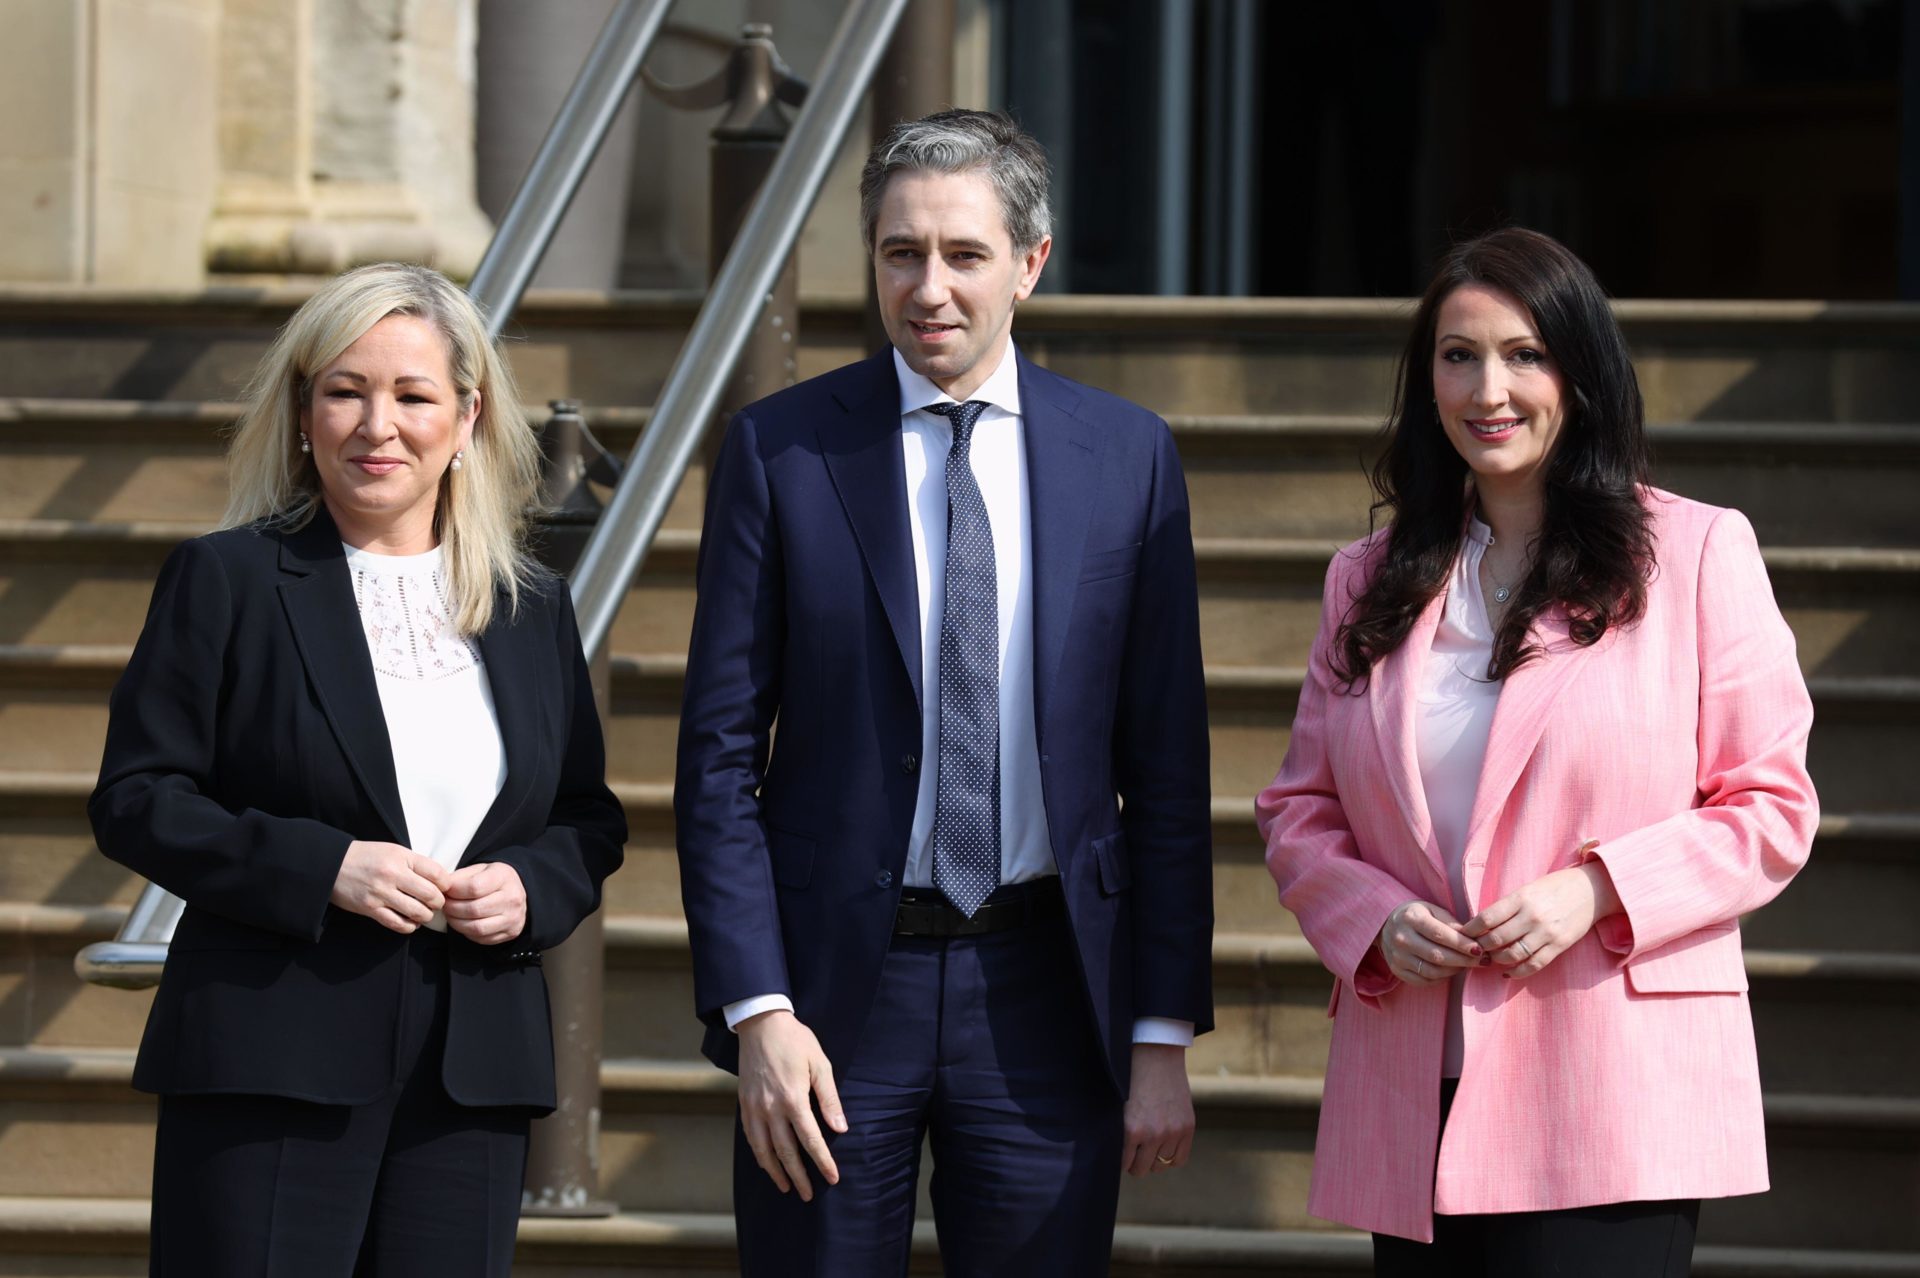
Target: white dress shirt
(1455,717)
(999,458)
(448,758)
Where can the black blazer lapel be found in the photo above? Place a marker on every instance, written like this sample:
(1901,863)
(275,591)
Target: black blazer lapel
(512,654)
(862,452)
(1062,472)
(318,598)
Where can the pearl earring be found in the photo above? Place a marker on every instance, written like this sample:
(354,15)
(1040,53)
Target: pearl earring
(305,445)
(458,453)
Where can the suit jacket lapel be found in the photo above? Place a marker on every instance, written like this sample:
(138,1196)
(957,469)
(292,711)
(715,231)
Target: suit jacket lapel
(862,452)
(1393,698)
(1062,473)
(1523,712)
(517,677)
(318,598)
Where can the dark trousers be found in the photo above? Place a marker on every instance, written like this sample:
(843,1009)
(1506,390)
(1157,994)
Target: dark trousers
(1610,1240)
(982,1047)
(413,1184)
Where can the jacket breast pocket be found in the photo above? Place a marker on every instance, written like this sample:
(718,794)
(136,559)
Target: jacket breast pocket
(1705,962)
(1104,565)
(792,856)
(1116,871)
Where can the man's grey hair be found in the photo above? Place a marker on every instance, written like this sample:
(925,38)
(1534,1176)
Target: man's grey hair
(987,142)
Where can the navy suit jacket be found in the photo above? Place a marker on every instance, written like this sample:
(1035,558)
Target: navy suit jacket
(793,838)
(247,748)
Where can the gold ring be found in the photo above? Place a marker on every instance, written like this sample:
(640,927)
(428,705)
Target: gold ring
(1163,1160)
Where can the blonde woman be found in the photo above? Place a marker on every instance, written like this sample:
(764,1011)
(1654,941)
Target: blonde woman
(356,737)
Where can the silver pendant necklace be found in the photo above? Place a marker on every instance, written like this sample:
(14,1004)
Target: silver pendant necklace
(1500,593)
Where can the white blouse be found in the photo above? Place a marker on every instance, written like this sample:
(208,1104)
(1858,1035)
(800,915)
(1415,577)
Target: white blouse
(1457,702)
(447,752)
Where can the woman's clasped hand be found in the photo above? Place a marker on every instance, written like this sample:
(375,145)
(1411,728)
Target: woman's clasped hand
(402,891)
(1521,932)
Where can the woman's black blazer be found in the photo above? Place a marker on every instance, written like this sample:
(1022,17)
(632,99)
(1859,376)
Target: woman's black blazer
(247,748)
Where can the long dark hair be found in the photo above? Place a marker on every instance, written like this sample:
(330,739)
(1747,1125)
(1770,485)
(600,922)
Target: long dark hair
(1594,554)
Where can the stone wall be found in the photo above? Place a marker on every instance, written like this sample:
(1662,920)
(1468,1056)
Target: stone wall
(107,139)
(144,142)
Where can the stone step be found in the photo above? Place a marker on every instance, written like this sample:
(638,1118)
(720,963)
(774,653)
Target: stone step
(666,1146)
(107,1238)
(1839,1022)
(1859,892)
(1272,476)
(1725,361)
(1854,610)
(53,716)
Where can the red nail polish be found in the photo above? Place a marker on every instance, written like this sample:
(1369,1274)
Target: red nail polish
(1475,951)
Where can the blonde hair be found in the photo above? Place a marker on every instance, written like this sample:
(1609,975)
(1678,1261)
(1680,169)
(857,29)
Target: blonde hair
(481,513)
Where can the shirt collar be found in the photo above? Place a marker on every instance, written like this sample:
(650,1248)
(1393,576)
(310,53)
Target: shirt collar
(1001,389)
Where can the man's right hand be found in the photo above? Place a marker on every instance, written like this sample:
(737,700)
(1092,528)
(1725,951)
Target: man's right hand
(390,885)
(782,1069)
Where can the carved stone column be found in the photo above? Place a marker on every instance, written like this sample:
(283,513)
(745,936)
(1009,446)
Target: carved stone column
(346,136)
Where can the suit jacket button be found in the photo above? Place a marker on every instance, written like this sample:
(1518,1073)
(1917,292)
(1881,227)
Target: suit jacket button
(909,763)
(883,879)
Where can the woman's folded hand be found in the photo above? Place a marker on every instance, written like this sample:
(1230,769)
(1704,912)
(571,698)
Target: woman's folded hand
(390,885)
(1423,944)
(487,903)
(1528,929)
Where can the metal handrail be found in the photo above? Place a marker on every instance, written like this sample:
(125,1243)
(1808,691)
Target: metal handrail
(620,541)
(565,155)
(619,544)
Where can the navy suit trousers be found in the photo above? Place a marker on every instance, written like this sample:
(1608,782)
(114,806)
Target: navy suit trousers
(981,1048)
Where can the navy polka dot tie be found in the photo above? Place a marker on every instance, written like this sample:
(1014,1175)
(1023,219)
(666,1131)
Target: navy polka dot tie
(966,815)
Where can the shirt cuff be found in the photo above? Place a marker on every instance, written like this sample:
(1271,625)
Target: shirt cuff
(1163,1030)
(748,1007)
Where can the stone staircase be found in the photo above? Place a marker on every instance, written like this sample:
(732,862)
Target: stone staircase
(1801,414)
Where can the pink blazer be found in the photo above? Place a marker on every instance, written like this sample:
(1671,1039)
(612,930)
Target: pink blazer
(1626,1069)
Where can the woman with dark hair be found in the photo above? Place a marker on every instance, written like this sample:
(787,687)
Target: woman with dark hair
(1551,745)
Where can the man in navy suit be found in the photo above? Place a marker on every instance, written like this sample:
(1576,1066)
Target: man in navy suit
(942,795)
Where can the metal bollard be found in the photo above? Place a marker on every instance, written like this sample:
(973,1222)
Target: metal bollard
(563,1153)
(756,86)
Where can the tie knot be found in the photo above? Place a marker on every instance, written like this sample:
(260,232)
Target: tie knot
(963,417)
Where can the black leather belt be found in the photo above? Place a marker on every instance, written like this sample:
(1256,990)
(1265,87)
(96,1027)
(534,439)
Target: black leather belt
(925,912)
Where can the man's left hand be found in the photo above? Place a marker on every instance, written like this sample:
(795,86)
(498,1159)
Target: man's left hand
(1159,1113)
(487,903)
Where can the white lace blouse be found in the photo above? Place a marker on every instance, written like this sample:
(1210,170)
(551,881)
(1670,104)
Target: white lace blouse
(447,752)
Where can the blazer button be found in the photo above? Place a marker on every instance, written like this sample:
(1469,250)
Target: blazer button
(909,763)
(883,879)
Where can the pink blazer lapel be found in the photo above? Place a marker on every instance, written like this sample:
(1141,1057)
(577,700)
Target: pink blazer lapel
(1393,697)
(1525,708)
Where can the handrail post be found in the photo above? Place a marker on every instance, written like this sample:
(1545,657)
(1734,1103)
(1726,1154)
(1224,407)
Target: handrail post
(744,147)
(563,1149)
(753,85)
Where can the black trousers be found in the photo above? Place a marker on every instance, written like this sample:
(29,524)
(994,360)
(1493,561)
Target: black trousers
(1611,1240)
(412,1184)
